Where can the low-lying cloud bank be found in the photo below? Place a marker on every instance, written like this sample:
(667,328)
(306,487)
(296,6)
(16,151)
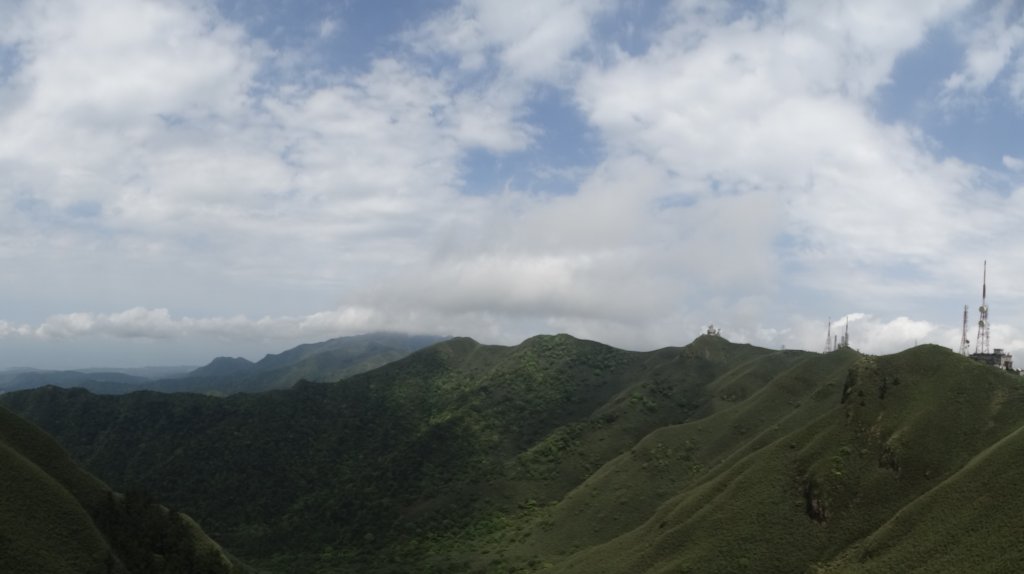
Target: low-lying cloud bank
(868,333)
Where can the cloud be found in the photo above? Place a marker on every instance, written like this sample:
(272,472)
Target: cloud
(532,40)
(117,94)
(1013,163)
(156,157)
(868,333)
(9,329)
(327,27)
(992,38)
(163,128)
(777,112)
(159,324)
(132,323)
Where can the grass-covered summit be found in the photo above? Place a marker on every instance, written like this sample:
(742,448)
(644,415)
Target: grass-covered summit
(562,455)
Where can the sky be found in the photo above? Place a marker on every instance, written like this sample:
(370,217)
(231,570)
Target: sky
(182,179)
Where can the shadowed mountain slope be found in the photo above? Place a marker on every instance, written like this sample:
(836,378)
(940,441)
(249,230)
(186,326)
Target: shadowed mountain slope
(561,455)
(56,518)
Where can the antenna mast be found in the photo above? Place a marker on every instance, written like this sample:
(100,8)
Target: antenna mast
(982,345)
(828,337)
(965,345)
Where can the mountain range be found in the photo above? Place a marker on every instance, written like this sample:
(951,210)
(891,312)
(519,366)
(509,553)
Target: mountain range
(569,456)
(325,361)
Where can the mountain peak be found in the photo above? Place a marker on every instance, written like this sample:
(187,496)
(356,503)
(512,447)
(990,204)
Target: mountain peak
(224,366)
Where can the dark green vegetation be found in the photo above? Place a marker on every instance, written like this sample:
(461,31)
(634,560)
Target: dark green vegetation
(568,456)
(327,361)
(56,518)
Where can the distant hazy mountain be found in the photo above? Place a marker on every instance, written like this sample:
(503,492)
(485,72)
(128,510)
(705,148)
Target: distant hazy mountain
(58,519)
(151,373)
(363,352)
(96,381)
(224,366)
(327,361)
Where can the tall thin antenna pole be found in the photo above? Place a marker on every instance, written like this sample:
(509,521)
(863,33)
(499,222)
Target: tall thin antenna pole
(964,343)
(828,337)
(982,346)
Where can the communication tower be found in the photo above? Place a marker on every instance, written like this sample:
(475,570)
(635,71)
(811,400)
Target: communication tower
(828,337)
(982,345)
(965,344)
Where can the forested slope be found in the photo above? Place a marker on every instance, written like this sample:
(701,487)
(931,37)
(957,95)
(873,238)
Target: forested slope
(56,518)
(571,456)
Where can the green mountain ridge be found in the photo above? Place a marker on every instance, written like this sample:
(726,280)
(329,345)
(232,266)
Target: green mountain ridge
(562,455)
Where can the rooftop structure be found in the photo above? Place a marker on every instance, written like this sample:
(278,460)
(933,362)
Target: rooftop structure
(997,358)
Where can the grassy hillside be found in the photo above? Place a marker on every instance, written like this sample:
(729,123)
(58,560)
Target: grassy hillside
(879,477)
(55,518)
(561,455)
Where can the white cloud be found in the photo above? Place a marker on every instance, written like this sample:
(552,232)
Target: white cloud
(327,27)
(1013,163)
(125,62)
(868,333)
(161,126)
(504,51)
(741,159)
(779,109)
(132,323)
(110,91)
(143,323)
(9,329)
(532,40)
(992,38)
(140,328)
